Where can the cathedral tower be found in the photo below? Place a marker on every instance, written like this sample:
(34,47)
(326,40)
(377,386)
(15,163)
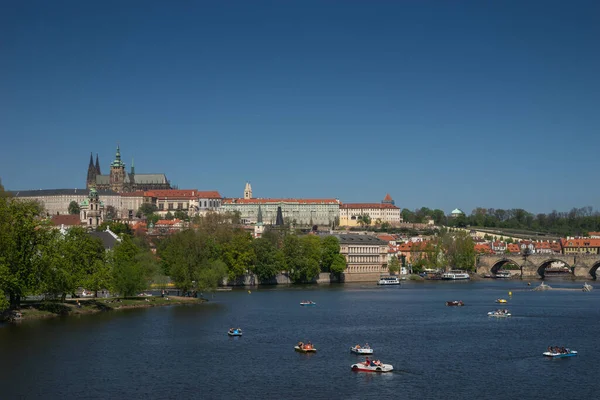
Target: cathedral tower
(91,174)
(117,173)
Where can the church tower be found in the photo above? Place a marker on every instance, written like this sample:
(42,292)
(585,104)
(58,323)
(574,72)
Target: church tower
(98,166)
(91,174)
(117,173)
(248,191)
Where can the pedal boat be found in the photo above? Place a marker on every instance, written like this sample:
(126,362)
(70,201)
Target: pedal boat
(569,353)
(235,332)
(363,367)
(361,350)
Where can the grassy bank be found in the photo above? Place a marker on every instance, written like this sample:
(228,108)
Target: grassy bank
(49,309)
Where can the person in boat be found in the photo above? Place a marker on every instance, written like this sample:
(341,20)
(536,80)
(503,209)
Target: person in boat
(367,362)
(300,345)
(367,346)
(309,345)
(357,347)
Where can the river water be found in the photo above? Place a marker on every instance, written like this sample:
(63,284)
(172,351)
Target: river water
(438,352)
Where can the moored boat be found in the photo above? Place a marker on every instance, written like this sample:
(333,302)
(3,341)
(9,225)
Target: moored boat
(308,303)
(364,350)
(455,274)
(499,314)
(235,332)
(372,366)
(458,303)
(388,280)
(503,275)
(501,301)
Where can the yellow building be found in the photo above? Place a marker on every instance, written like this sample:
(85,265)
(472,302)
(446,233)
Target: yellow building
(580,246)
(386,211)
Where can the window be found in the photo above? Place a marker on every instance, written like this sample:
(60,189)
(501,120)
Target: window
(161,206)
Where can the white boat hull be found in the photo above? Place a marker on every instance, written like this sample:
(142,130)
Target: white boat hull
(492,314)
(361,351)
(379,368)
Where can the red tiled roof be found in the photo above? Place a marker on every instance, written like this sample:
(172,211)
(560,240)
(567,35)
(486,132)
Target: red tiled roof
(580,242)
(387,238)
(139,193)
(66,220)
(208,194)
(368,205)
(483,248)
(275,201)
(172,193)
(514,248)
(387,197)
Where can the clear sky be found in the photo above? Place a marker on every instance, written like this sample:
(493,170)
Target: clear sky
(442,104)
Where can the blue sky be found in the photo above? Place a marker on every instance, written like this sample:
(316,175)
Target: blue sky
(442,104)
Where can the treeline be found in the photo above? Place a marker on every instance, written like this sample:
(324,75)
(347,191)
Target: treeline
(448,249)
(216,246)
(578,221)
(37,259)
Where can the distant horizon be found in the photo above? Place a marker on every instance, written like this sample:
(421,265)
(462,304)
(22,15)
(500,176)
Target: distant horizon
(440,104)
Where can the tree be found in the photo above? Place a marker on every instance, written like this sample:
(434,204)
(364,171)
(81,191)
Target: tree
(74,208)
(20,237)
(128,275)
(238,254)
(120,228)
(147,208)
(301,258)
(268,259)
(181,215)
(394,265)
(330,248)
(111,213)
(169,216)
(364,219)
(407,215)
(338,265)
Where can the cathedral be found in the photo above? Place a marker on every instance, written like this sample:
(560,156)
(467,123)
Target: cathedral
(118,180)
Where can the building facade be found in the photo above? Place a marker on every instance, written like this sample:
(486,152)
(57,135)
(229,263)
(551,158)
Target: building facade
(366,257)
(580,246)
(92,210)
(382,212)
(118,180)
(190,201)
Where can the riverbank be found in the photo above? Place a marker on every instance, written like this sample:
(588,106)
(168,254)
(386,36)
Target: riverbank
(49,309)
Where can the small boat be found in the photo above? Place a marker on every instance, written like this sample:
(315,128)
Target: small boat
(235,332)
(503,275)
(455,274)
(364,350)
(388,280)
(555,354)
(586,287)
(308,303)
(370,366)
(501,301)
(305,348)
(499,314)
(458,303)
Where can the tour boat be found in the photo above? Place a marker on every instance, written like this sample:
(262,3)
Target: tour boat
(503,275)
(501,301)
(305,348)
(388,280)
(235,332)
(368,366)
(455,274)
(364,350)
(499,313)
(458,303)
(308,303)
(568,353)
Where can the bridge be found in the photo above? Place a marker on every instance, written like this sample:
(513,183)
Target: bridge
(534,265)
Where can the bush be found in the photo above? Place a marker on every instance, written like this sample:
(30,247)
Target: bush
(55,308)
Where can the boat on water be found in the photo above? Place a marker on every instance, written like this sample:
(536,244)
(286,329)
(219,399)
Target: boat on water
(499,314)
(502,301)
(305,347)
(235,332)
(458,303)
(372,366)
(542,287)
(586,287)
(555,352)
(388,280)
(364,350)
(455,274)
(503,275)
(308,303)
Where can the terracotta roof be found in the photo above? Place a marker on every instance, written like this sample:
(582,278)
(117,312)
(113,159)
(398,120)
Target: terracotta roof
(387,238)
(542,245)
(580,242)
(168,222)
(139,193)
(483,248)
(387,197)
(208,194)
(66,220)
(514,248)
(188,193)
(368,205)
(276,201)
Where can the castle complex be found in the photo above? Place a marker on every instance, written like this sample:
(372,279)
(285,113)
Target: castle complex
(118,180)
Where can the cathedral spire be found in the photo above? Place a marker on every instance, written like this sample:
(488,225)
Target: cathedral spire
(132,167)
(91,160)
(91,173)
(98,165)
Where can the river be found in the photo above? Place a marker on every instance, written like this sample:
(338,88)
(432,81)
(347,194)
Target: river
(438,352)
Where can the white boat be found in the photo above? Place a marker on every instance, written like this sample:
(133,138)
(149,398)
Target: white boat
(369,366)
(308,303)
(557,354)
(499,314)
(455,274)
(364,350)
(503,275)
(388,280)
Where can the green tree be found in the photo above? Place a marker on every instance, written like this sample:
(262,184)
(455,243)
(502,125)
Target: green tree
(146,209)
(74,208)
(338,265)
(394,265)
(110,214)
(120,228)
(301,258)
(330,246)
(169,216)
(364,219)
(181,215)
(269,260)
(128,275)
(210,274)
(238,254)
(20,237)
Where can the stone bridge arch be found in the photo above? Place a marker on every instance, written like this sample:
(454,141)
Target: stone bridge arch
(594,270)
(541,266)
(502,261)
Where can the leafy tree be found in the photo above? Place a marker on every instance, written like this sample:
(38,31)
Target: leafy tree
(338,264)
(181,215)
(20,236)
(74,208)
(120,228)
(407,215)
(330,249)
(301,258)
(269,260)
(394,265)
(128,274)
(364,219)
(238,254)
(147,208)
(169,216)
(211,273)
